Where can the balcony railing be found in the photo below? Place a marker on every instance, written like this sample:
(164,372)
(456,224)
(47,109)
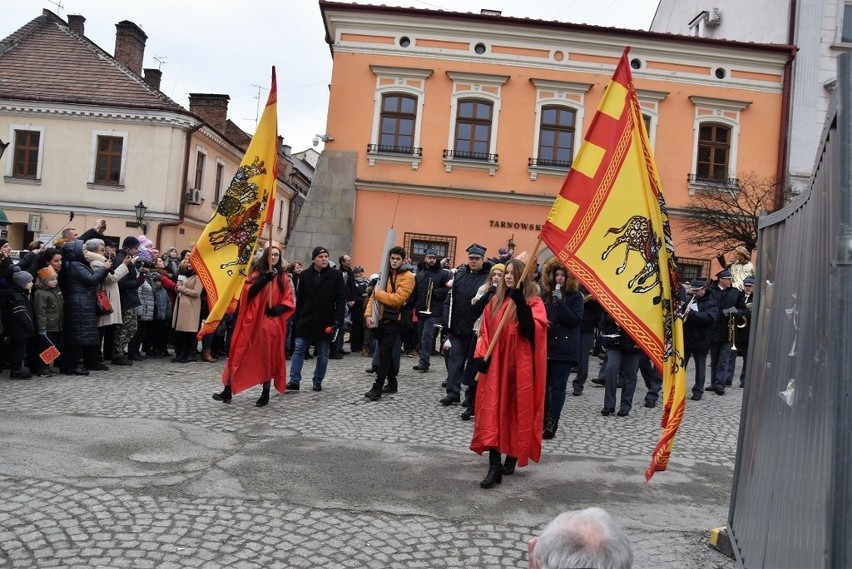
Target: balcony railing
(407,150)
(547,163)
(462,155)
(728,183)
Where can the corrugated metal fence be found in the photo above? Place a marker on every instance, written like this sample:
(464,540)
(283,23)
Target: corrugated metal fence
(790,502)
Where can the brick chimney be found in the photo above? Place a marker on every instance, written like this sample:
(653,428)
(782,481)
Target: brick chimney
(130,45)
(212,108)
(153,77)
(76,23)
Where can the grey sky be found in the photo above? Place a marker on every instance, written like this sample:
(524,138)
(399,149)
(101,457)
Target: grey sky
(229,47)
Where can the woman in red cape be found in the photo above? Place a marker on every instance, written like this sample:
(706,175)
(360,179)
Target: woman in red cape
(257,346)
(510,394)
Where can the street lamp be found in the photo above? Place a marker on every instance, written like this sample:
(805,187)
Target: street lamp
(140,216)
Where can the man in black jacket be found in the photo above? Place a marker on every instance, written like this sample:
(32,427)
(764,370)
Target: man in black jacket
(722,359)
(320,307)
(128,288)
(699,318)
(430,290)
(458,317)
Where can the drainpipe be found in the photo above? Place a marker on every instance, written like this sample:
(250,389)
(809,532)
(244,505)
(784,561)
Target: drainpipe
(184,186)
(786,95)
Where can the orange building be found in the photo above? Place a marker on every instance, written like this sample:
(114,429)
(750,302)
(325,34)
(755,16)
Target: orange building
(463,126)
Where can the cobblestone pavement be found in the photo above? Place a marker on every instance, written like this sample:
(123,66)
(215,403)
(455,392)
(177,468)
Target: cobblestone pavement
(139,467)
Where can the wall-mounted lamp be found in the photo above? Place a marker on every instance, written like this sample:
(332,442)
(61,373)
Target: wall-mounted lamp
(141,208)
(323,137)
(4,145)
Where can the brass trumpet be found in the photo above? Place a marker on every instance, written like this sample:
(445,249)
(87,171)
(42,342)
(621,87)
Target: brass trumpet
(732,332)
(428,298)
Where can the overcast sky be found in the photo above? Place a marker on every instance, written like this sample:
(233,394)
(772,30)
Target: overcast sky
(223,46)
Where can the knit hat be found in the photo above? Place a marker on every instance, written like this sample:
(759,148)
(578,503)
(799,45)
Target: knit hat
(129,242)
(3,242)
(497,267)
(145,242)
(46,274)
(22,278)
(318,251)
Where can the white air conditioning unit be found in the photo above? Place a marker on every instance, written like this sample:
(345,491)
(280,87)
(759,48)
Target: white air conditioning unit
(193,196)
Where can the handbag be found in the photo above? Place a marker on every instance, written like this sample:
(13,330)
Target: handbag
(102,304)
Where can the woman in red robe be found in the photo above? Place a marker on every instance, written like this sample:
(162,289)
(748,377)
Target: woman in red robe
(257,346)
(510,394)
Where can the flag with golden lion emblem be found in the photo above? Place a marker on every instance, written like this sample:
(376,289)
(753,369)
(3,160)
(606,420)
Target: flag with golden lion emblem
(225,249)
(610,227)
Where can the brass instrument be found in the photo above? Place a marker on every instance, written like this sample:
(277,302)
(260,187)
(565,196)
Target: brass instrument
(747,304)
(587,298)
(685,313)
(428,298)
(732,332)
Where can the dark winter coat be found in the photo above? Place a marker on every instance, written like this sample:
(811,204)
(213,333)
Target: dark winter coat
(128,286)
(725,298)
(79,284)
(320,302)
(19,320)
(698,328)
(563,327)
(465,285)
(48,306)
(439,278)
(624,343)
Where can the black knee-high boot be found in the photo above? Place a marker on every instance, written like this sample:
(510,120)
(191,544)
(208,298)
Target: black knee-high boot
(509,465)
(495,470)
(264,397)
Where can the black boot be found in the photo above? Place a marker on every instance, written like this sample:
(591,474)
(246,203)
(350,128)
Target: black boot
(509,465)
(550,426)
(391,387)
(471,404)
(225,396)
(264,397)
(375,392)
(495,470)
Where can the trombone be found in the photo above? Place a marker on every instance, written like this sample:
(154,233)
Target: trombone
(428,298)
(747,304)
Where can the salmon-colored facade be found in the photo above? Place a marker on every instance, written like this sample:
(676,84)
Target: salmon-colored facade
(433,189)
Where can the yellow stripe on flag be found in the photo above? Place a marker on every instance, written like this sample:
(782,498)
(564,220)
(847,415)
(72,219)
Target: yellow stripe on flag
(562,213)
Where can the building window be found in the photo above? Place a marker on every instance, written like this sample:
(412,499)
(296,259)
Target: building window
(220,174)
(109,160)
(473,130)
(556,137)
(27,144)
(690,269)
(399,113)
(417,243)
(200,159)
(714,147)
(846,29)
(280,214)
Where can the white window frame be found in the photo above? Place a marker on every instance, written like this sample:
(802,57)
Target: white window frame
(220,191)
(559,94)
(841,13)
(93,159)
(200,150)
(406,81)
(10,153)
(476,82)
(722,111)
(649,104)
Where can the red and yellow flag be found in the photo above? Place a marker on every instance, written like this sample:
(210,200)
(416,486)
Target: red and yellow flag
(225,249)
(610,227)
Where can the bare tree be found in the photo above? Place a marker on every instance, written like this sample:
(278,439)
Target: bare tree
(720,218)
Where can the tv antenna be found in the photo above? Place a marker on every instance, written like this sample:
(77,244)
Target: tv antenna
(58,4)
(257,98)
(161,60)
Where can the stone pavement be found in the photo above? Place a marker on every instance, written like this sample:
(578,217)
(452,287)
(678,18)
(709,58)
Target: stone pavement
(139,467)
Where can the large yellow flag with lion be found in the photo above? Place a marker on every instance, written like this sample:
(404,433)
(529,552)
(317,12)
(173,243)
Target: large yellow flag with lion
(222,254)
(610,227)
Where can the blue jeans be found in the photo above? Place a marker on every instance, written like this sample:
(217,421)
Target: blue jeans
(323,346)
(557,381)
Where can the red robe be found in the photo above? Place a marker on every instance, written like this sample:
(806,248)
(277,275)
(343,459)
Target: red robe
(510,397)
(257,346)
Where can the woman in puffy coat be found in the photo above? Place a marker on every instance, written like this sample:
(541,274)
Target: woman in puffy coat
(79,283)
(95,251)
(563,303)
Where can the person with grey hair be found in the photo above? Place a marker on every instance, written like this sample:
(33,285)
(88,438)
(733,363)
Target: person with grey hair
(586,538)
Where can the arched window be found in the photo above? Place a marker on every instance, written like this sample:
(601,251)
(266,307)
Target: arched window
(714,148)
(398,117)
(556,136)
(473,129)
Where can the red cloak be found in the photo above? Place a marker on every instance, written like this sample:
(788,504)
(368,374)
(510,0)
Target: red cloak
(257,345)
(510,397)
